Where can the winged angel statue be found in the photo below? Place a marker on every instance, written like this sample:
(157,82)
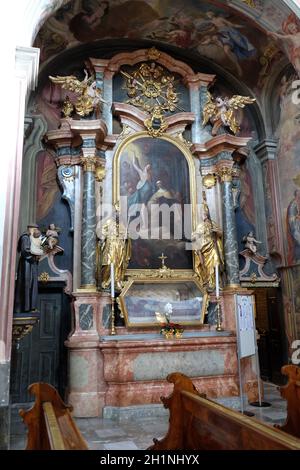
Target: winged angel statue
(89,95)
(221,111)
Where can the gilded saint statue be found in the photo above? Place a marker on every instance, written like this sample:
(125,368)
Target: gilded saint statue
(115,248)
(208,249)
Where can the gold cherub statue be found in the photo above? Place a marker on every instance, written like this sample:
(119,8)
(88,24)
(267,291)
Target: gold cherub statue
(89,95)
(221,111)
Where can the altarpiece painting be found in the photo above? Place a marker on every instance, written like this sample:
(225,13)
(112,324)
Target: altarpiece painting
(155,181)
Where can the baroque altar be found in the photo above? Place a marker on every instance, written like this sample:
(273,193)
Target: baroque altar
(145,132)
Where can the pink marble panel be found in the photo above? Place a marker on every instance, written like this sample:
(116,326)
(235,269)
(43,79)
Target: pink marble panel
(87,405)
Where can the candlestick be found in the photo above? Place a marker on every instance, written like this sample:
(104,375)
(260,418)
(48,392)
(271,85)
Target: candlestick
(217,281)
(112,290)
(112,280)
(219,316)
(113,328)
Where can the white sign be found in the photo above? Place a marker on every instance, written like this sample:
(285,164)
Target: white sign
(245,325)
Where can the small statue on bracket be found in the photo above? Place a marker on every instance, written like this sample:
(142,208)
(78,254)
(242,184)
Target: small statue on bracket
(250,242)
(221,111)
(50,240)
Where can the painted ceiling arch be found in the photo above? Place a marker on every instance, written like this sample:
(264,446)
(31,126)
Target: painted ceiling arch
(236,33)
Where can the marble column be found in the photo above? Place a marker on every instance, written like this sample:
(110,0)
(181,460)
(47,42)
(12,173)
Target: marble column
(198,85)
(88,230)
(229,227)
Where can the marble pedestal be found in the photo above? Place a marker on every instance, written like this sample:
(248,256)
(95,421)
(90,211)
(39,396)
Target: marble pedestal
(87,386)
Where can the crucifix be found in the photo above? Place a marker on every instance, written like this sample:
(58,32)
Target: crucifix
(163,257)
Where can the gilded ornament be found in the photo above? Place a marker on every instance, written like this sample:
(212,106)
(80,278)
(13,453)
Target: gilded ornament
(100,173)
(209,180)
(151,86)
(19,331)
(225,174)
(89,95)
(156,124)
(296,179)
(68,107)
(89,163)
(44,277)
(153,53)
(250,3)
(221,111)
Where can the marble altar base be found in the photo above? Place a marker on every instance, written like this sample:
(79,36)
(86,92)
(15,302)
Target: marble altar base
(135,371)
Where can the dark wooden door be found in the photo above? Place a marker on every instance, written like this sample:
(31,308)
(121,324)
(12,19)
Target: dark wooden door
(272,341)
(41,356)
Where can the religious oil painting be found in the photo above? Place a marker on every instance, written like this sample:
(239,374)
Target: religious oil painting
(154,182)
(143,301)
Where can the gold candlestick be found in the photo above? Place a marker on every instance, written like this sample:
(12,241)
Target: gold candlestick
(113,329)
(219,315)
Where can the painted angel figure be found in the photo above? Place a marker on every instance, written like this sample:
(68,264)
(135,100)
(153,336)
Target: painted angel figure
(89,95)
(221,111)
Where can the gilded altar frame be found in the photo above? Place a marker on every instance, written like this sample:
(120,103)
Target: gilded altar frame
(184,150)
(145,317)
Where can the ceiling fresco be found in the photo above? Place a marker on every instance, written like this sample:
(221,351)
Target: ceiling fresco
(245,37)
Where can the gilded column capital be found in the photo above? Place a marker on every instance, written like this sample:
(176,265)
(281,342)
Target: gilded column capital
(89,163)
(226,173)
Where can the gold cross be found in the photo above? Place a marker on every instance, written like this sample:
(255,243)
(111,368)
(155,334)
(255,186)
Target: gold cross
(163,257)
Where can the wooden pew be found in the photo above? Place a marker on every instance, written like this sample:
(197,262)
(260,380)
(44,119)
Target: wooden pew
(49,421)
(291,392)
(197,423)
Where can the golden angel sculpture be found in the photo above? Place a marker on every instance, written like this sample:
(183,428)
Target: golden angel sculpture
(115,248)
(89,95)
(221,111)
(208,249)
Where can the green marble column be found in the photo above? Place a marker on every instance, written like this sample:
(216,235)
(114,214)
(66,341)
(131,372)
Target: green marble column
(231,252)
(88,227)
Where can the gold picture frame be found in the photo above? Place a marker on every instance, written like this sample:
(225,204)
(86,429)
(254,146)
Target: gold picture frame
(177,260)
(142,297)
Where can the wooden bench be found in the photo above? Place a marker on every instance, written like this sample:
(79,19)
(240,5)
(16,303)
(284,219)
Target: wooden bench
(197,423)
(49,421)
(291,392)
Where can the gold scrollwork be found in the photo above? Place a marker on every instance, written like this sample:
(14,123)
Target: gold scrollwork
(151,86)
(19,331)
(156,124)
(89,163)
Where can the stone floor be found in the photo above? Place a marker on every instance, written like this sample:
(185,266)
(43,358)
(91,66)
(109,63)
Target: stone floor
(137,432)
